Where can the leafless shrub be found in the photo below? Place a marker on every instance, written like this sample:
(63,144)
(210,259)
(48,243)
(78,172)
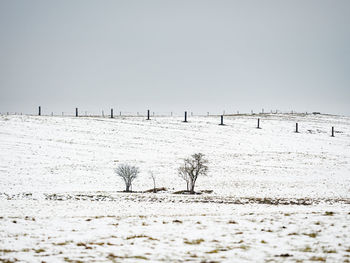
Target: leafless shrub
(191,168)
(128,173)
(153,177)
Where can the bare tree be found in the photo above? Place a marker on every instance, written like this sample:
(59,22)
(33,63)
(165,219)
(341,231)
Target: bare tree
(128,173)
(193,167)
(153,177)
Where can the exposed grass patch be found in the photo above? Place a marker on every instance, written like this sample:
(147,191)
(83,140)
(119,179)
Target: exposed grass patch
(97,243)
(329,251)
(111,256)
(306,249)
(6,260)
(81,244)
(177,221)
(214,251)
(72,260)
(321,259)
(6,250)
(232,222)
(194,242)
(141,236)
(244,247)
(62,243)
(285,255)
(329,213)
(312,235)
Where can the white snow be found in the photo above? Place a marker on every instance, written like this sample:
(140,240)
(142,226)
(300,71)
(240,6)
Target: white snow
(47,159)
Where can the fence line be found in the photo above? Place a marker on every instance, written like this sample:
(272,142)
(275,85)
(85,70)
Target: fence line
(171,114)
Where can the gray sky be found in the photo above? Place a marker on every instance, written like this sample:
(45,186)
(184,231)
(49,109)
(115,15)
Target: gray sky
(175,55)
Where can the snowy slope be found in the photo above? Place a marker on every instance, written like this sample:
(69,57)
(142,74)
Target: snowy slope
(41,154)
(278,196)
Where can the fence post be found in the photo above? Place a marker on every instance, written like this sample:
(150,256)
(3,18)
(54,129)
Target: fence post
(258,124)
(222,120)
(76,112)
(296,128)
(332,131)
(148,115)
(39,111)
(185,116)
(112,113)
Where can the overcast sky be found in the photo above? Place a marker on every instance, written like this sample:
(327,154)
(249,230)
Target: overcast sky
(175,55)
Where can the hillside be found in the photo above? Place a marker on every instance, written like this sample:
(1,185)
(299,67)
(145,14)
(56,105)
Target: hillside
(42,154)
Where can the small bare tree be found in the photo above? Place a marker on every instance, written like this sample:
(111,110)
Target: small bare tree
(128,173)
(191,168)
(153,177)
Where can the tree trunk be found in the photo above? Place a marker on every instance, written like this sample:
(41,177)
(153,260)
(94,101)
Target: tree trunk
(127,188)
(192,189)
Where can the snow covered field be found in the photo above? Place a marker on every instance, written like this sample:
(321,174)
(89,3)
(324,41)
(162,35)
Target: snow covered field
(277,195)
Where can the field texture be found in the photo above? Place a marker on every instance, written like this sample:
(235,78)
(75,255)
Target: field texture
(277,195)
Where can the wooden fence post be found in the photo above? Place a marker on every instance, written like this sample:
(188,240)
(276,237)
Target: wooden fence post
(112,113)
(332,131)
(222,120)
(258,124)
(296,128)
(185,116)
(148,115)
(39,111)
(76,112)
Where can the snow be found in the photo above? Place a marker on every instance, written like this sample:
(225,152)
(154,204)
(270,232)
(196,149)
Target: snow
(59,198)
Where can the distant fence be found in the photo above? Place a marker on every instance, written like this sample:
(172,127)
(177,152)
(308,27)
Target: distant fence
(150,114)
